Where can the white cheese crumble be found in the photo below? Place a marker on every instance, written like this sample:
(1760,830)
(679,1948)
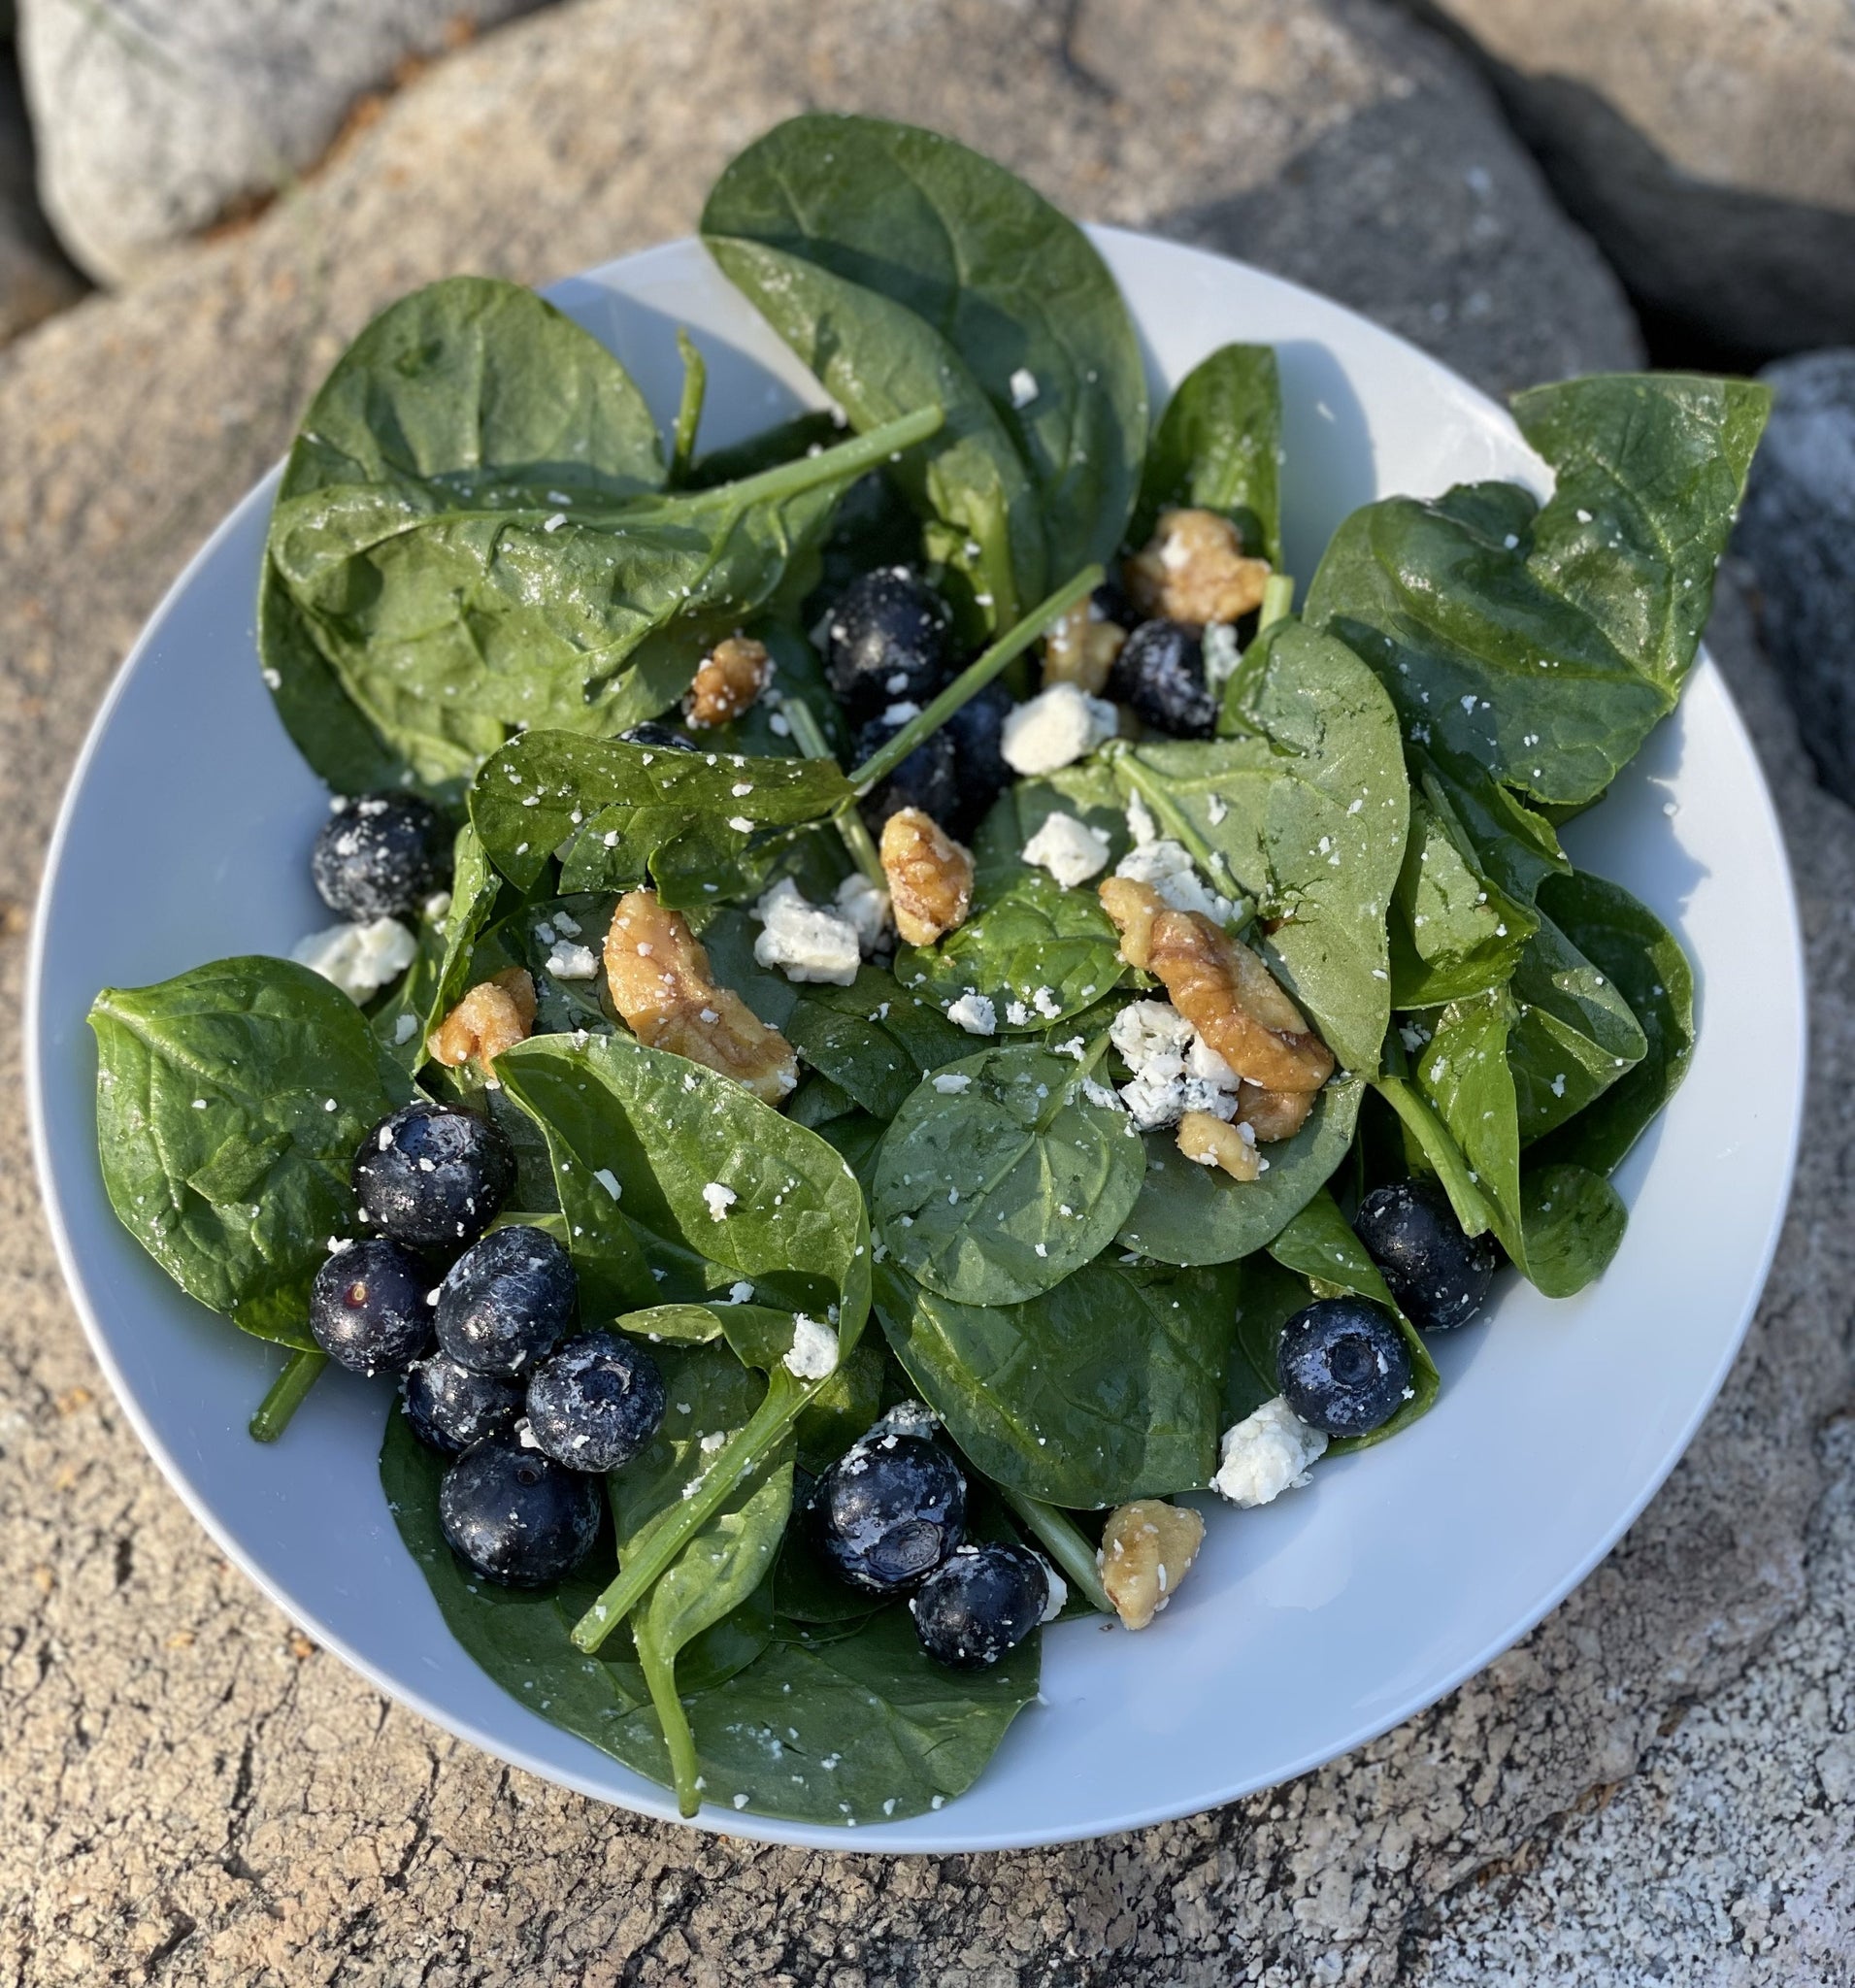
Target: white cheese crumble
(1164,863)
(804,940)
(1172,1071)
(814,1353)
(866,907)
(1058,1593)
(975,1013)
(606,1180)
(1024,387)
(718,1199)
(1222,655)
(1068,848)
(359,958)
(1056,728)
(1265,1454)
(949,1083)
(569,962)
(741,1293)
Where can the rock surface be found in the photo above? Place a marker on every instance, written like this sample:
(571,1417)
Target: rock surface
(1707,144)
(1799,532)
(35,279)
(193,1793)
(156,117)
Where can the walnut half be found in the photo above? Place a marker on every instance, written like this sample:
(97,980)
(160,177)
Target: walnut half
(930,876)
(728,680)
(1146,1550)
(1194,569)
(1205,1139)
(660,980)
(493,1016)
(1080,647)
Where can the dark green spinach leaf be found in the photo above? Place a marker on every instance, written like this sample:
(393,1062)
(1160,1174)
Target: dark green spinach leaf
(230,1102)
(1218,448)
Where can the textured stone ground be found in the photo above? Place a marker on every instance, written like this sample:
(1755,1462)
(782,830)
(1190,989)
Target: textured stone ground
(1657,1785)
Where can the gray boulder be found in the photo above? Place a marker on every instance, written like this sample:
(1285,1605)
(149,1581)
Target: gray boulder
(1708,145)
(156,117)
(1798,530)
(35,279)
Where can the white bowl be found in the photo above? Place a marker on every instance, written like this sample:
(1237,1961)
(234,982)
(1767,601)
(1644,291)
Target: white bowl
(1307,1628)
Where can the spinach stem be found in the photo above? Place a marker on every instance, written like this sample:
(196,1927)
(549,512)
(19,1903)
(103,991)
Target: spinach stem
(1475,1209)
(851,825)
(286,1394)
(660,1675)
(1278,600)
(695,381)
(845,461)
(655,1549)
(1067,1544)
(973,678)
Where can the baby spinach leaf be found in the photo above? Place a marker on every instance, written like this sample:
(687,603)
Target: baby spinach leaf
(967,249)
(468,383)
(1573,1222)
(230,1102)
(1454,931)
(1645,965)
(1192,1214)
(1218,448)
(1103,1388)
(1037,952)
(441,976)
(1574,1036)
(1268,1297)
(616,807)
(872,1040)
(1547,653)
(1321,1245)
(1464,1075)
(784,441)
(1002,1174)
(1302,807)
(710,1179)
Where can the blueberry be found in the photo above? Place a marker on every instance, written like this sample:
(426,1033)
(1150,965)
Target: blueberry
(982,1601)
(433,1176)
(662,737)
(507,1301)
(887,641)
(595,1404)
(1109,603)
(1438,1275)
(1344,1364)
(381,856)
(979,769)
(928,779)
(517,1517)
(451,1407)
(890,1510)
(1160,672)
(366,1307)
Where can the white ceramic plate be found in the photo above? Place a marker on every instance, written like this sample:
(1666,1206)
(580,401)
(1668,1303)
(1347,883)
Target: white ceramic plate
(1307,1628)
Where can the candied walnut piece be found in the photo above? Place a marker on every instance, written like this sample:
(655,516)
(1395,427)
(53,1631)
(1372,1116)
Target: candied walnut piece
(1080,647)
(493,1016)
(1194,569)
(1146,1550)
(930,876)
(1132,907)
(1272,1115)
(730,677)
(661,983)
(1205,1138)
(1232,1000)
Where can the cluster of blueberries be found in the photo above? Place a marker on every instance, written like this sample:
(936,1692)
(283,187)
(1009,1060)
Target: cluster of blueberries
(1343,1364)
(533,1412)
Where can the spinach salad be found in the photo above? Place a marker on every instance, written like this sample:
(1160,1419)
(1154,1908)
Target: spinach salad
(896,1009)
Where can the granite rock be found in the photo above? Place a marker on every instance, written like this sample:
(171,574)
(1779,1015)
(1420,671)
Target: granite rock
(156,117)
(35,279)
(1708,146)
(1798,529)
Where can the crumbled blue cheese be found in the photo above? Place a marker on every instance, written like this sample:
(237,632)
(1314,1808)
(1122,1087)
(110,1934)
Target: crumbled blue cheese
(1265,1454)
(608,1179)
(1222,655)
(718,1199)
(1024,388)
(1164,863)
(1059,1593)
(1068,848)
(813,1352)
(570,962)
(974,1012)
(1172,1071)
(804,941)
(866,907)
(951,1083)
(1056,728)
(359,958)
